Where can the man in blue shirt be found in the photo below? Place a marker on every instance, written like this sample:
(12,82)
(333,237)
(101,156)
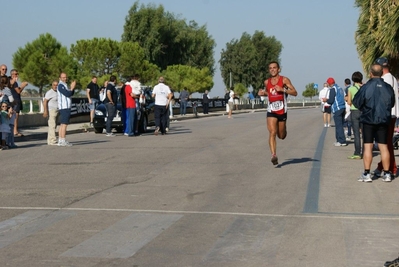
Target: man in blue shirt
(336,98)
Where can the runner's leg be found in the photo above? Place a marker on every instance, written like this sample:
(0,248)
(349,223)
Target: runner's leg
(272,127)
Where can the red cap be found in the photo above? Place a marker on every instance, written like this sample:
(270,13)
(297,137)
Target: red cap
(330,81)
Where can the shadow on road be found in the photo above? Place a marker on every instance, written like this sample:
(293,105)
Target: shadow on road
(295,161)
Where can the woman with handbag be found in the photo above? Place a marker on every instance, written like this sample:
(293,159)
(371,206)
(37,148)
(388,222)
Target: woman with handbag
(325,108)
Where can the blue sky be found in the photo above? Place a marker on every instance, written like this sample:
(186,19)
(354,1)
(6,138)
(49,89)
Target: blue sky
(317,36)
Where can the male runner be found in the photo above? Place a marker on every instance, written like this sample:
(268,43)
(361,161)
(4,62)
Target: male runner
(277,89)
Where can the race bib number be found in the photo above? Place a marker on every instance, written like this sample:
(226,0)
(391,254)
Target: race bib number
(276,106)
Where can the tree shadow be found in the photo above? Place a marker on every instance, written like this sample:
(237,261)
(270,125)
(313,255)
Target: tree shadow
(295,161)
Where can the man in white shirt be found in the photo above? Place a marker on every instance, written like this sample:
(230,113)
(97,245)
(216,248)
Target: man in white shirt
(162,95)
(50,105)
(390,79)
(326,107)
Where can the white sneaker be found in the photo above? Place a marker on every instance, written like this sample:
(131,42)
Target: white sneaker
(66,143)
(156,132)
(325,125)
(386,177)
(328,125)
(339,144)
(348,138)
(110,135)
(365,178)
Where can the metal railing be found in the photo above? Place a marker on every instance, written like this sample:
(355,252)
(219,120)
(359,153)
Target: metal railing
(35,104)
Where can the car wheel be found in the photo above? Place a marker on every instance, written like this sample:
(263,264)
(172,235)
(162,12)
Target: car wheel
(98,130)
(143,124)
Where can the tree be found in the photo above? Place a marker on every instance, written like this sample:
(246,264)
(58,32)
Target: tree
(378,32)
(99,57)
(247,59)
(240,89)
(196,80)
(42,61)
(310,91)
(103,57)
(168,40)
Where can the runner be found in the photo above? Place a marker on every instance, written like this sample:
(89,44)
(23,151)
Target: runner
(277,89)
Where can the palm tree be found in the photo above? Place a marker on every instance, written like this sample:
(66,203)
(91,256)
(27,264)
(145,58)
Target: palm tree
(378,32)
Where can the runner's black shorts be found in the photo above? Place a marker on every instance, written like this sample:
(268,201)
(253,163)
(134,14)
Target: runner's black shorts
(377,132)
(282,117)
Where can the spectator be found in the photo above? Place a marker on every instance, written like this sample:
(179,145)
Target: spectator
(131,105)
(251,99)
(3,70)
(110,104)
(326,107)
(64,95)
(336,98)
(375,100)
(205,102)
(236,100)
(16,91)
(137,95)
(102,91)
(391,80)
(357,78)
(50,105)
(183,97)
(5,91)
(226,98)
(347,111)
(231,102)
(93,96)
(5,115)
(162,95)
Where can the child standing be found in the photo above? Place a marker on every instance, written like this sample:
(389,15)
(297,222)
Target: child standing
(10,140)
(5,129)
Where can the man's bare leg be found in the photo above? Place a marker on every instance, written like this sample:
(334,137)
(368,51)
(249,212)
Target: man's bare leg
(272,125)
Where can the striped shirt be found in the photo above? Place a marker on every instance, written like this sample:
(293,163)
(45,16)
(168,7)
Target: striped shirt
(64,96)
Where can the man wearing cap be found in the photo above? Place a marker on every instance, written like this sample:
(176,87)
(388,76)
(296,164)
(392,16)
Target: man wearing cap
(336,98)
(391,80)
(375,100)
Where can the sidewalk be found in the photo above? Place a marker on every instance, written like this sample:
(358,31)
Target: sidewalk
(40,132)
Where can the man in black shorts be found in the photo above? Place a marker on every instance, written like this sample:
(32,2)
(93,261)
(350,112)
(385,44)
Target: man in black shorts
(375,100)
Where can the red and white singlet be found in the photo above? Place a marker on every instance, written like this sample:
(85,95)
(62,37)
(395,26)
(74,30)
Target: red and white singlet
(277,100)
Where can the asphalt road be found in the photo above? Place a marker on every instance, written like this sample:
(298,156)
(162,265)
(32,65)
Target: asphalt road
(206,194)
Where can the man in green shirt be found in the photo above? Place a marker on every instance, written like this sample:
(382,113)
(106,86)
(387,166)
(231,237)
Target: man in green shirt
(357,78)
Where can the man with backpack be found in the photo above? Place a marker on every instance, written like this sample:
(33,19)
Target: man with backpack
(336,98)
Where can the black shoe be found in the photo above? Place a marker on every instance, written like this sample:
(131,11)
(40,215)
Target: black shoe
(274,160)
(394,263)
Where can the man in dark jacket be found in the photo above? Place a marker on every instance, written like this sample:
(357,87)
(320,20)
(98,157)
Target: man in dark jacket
(375,100)
(205,102)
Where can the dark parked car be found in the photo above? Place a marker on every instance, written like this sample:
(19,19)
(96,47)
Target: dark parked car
(146,114)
